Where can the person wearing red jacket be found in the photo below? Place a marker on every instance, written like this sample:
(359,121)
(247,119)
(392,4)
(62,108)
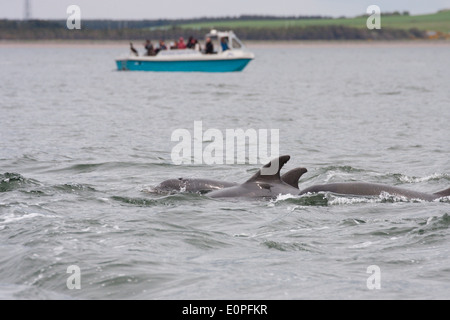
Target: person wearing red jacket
(181,44)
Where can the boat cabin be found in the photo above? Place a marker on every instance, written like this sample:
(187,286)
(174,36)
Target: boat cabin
(224,39)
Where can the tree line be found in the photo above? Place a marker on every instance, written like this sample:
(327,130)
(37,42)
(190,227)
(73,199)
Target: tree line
(98,24)
(44,30)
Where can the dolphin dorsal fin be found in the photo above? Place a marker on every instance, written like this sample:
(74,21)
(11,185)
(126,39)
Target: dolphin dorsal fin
(270,171)
(292,176)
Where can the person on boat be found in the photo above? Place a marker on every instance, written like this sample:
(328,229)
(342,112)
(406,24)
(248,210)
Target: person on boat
(224,44)
(181,44)
(190,43)
(209,47)
(174,45)
(150,51)
(135,52)
(162,46)
(197,46)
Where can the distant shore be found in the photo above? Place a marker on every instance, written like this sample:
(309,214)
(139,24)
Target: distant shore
(249,43)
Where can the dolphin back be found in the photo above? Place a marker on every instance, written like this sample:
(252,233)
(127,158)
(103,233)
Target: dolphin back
(368,189)
(264,183)
(192,185)
(443,193)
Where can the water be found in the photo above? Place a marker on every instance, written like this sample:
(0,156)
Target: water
(82,146)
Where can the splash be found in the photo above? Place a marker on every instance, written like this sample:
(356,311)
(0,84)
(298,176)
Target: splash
(303,200)
(432,177)
(9,218)
(10,181)
(339,200)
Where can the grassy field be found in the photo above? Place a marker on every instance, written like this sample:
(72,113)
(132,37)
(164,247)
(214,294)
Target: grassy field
(439,21)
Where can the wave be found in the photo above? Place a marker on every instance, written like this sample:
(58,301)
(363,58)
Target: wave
(434,224)
(331,173)
(14,218)
(91,167)
(289,246)
(346,169)
(303,200)
(29,292)
(169,200)
(330,199)
(74,187)
(13,181)
(433,177)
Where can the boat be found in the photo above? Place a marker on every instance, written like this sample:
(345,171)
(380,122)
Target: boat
(235,58)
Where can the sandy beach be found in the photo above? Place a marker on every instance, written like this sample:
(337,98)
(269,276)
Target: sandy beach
(250,44)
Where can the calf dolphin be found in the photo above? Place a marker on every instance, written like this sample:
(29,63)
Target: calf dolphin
(192,185)
(263,185)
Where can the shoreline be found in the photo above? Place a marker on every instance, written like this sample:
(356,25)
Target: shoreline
(248,43)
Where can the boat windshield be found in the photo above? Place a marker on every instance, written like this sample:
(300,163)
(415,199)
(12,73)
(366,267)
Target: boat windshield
(219,39)
(236,44)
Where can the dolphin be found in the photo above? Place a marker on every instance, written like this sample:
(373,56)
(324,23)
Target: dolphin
(373,189)
(264,185)
(206,185)
(192,185)
(271,185)
(293,176)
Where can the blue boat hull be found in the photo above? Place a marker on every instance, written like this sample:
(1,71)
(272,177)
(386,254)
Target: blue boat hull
(225,65)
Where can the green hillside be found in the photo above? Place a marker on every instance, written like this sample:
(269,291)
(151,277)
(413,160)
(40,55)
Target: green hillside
(439,21)
(394,26)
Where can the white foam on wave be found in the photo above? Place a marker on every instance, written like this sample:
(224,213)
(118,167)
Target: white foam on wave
(9,218)
(334,199)
(383,197)
(148,189)
(443,199)
(361,245)
(330,176)
(281,197)
(337,200)
(153,189)
(434,176)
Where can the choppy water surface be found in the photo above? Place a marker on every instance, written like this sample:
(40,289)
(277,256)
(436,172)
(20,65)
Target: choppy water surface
(82,146)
